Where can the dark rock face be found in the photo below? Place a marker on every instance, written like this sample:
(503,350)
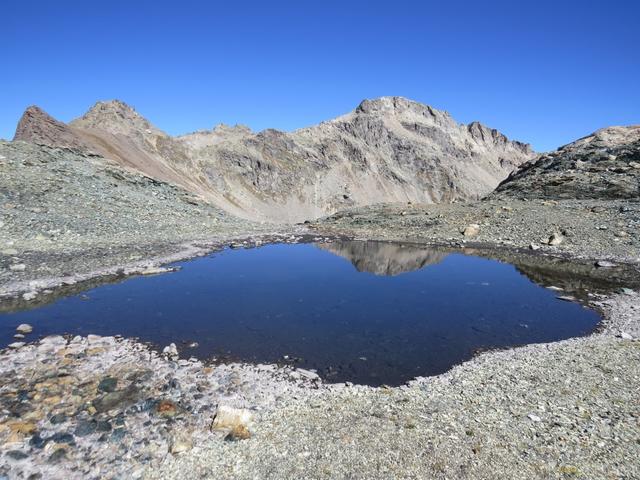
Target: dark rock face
(604,165)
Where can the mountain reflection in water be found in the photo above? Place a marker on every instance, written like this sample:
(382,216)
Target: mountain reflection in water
(381,258)
(365,312)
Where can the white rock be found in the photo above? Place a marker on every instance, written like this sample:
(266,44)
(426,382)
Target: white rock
(471,230)
(308,374)
(18,267)
(605,264)
(555,239)
(53,340)
(171,350)
(16,345)
(29,295)
(534,418)
(157,270)
(626,336)
(229,418)
(24,328)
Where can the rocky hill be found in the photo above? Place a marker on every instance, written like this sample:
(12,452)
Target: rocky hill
(388,150)
(603,165)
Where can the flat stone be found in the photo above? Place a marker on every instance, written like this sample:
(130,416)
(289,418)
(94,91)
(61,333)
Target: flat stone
(534,418)
(16,454)
(605,264)
(58,418)
(16,345)
(119,399)
(18,267)
(108,384)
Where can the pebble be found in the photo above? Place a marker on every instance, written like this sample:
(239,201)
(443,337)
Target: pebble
(16,345)
(626,336)
(108,384)
(18,267)
(534,418)
(605,264)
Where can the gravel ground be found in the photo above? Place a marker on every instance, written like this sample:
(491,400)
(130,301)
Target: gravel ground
(593,229)
(563,410)
(101,407)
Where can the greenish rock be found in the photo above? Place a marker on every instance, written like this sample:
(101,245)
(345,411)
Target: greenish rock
(117,399)
(58,455)
(16,454)
(58,418)
(108,384)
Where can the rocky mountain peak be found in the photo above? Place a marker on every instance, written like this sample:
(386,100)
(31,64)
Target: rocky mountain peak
(485,134)
(115,116)
(396,106)
(37,126)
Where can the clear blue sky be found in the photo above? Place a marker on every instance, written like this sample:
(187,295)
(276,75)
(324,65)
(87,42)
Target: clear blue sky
(545,72)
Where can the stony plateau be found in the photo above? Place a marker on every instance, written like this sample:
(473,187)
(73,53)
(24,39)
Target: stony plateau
(388,150)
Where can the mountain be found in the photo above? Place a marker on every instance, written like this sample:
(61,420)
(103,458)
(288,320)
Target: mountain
(388,150)
(382,258)
(605,165)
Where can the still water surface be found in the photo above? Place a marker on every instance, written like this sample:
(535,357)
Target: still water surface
(365,312)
